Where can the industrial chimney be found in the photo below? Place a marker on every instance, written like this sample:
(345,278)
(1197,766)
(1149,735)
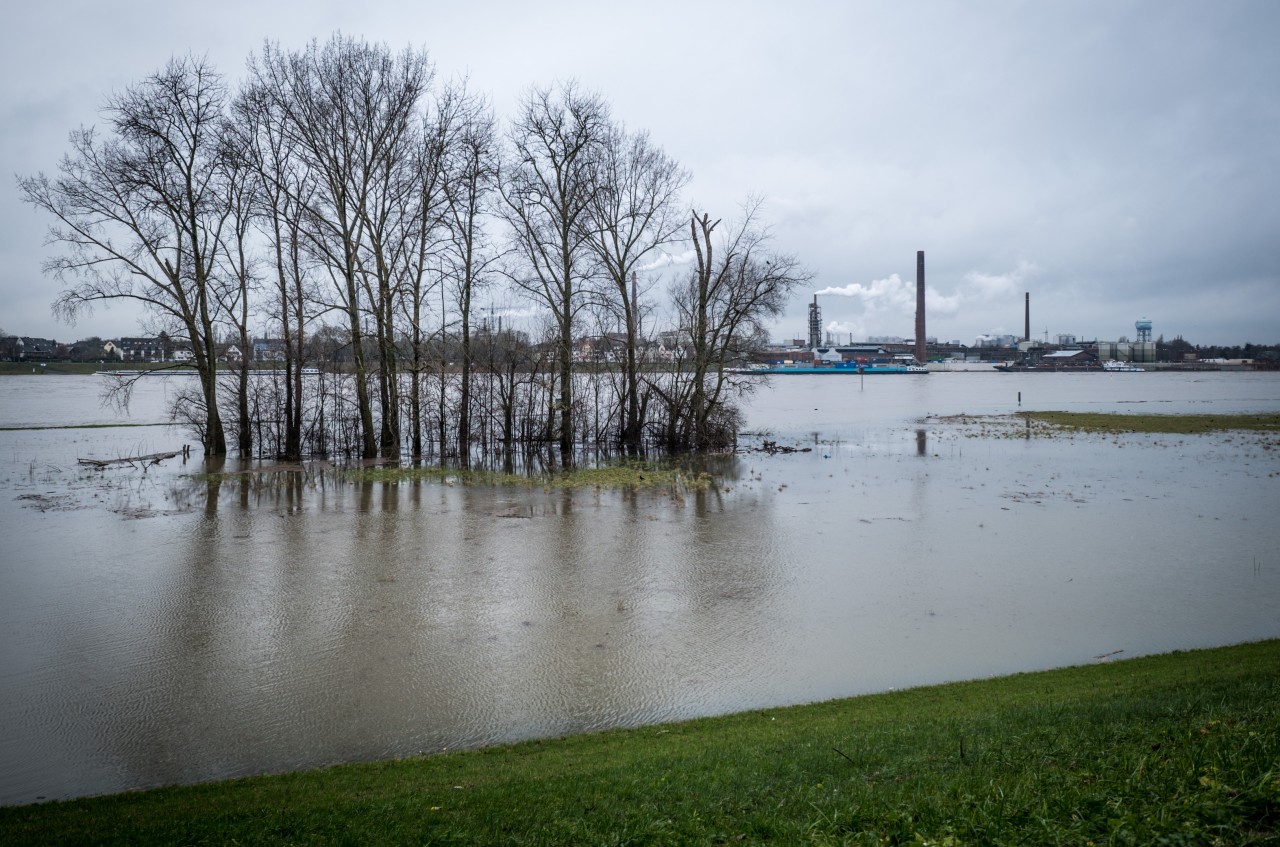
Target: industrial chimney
(921,350)
(1026,330)
(815,324)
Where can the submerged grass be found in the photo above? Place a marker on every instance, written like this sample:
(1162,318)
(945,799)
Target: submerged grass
(1176,749)
(615,475)
(624,474)
(1181,424)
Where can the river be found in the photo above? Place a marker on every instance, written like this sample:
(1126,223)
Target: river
(158,630)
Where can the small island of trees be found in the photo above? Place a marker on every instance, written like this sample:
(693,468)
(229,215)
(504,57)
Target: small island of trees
(365,213)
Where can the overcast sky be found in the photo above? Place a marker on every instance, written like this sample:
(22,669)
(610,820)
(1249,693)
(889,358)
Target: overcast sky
(1115,159)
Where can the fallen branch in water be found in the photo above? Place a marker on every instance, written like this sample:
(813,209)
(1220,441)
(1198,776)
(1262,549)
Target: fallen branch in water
(132,461)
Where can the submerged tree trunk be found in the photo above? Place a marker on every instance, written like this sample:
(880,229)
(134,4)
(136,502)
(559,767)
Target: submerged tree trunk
(347,109)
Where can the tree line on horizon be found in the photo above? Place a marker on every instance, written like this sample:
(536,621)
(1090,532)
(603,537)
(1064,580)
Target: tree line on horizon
(342,194)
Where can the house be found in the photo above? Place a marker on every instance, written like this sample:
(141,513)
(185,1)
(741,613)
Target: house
(607,347)
(268,350)
(88,350)
(141,349)
(31,349)
(673,345)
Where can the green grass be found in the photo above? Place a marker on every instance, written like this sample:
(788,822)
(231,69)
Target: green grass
(73,368)
(1177,749)
(89,368)
(1183,424)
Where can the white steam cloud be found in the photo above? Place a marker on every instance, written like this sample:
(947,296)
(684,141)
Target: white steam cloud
(854,329)
(880,294)
(666,260)
(886,302)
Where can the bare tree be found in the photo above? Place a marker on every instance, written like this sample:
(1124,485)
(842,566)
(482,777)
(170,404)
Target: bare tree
(425,236)
(403,199)
(472,174)
(737,284)
(140,212)
(632,216)
(555,141)
(237,276)
(347,110)
(283,191)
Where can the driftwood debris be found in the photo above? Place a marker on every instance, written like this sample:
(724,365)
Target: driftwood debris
(773,448)
(133,461)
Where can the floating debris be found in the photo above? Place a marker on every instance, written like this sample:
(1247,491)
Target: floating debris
(133,461)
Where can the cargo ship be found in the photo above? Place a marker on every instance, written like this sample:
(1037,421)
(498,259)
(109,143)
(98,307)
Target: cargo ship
(847,368)
(1069,367)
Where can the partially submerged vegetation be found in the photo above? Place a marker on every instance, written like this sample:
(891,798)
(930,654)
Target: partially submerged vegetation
(619,475)
(1174,749)
(615,475)
(1180,424)
(1051,424)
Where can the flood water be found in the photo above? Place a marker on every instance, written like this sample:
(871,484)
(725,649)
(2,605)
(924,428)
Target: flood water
(158,630)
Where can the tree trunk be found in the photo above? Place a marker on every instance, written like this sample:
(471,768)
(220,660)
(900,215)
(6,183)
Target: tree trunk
(566,392)
(464,399)
(368,438)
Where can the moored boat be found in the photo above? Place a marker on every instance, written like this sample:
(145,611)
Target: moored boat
(847,368)
(1071,367)
(1047,367)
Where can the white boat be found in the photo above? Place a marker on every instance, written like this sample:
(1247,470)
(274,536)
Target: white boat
(1112,366)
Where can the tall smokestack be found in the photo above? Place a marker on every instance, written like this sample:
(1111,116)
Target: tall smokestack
(921,352)
(815,324)
(1026,330)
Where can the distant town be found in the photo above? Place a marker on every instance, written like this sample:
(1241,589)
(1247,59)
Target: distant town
(1177,352)
(326,348)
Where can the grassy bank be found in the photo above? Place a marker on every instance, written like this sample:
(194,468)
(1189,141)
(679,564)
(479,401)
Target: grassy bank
(89,368)
(1175,749)
(69,368)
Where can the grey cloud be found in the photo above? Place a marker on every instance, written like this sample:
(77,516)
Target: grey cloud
(1127,150)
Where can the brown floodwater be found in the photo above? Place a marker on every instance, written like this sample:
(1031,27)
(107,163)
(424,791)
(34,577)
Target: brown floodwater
(158,629)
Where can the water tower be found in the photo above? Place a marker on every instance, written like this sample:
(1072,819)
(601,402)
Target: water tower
(1143,326)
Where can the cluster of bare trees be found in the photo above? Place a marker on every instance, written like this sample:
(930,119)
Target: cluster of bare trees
(348,203)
